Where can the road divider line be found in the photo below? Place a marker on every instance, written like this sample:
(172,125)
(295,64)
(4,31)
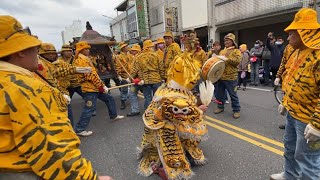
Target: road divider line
(263,138)
(260,89)
(254,142)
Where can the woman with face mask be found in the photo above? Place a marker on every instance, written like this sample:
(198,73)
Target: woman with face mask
(255,60)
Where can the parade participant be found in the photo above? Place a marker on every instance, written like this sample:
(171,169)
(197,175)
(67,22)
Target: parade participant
(149,68)
(122,68)
(215,50)
(67,57)
(37,140)
(171,51)
(55,72)
(133,93)
(93,88)
(160,47)
(228,81)
(301,86)
(200,54)
(174,125)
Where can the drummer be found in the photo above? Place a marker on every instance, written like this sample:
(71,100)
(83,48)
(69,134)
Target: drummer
(228,81)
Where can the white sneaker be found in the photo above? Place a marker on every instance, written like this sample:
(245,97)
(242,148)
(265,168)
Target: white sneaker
(280,176)
(85,133)
(118,117)
(227,102)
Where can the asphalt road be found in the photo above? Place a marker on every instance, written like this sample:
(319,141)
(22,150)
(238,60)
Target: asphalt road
(246,148)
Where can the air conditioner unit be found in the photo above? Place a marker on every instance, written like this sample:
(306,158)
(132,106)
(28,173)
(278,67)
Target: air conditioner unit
(135,34)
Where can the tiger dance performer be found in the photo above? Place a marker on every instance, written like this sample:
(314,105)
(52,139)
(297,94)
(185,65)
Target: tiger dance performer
(174,124)
(37,140)
(301,86)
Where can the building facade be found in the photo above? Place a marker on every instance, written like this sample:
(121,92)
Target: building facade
(74,30)
(251,20)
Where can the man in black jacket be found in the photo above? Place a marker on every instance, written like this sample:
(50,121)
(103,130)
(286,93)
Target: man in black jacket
(276,49)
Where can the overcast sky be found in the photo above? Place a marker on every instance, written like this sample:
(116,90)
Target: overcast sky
(47,18)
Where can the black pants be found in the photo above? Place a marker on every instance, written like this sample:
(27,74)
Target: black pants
(242,80)
(274,73)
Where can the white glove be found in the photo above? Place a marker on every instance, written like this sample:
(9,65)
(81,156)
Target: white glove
(222,58)
(120,78)
(128,80)
(282,110)
(67,98)
(311,134)
(141,82)
(106,89)
(277,82)
(83,70)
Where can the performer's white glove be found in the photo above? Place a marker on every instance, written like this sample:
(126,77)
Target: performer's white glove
(128,80)
(141,83)
(106,89)
(277,82)
(222,58)
(83,70)
(120,78)
(67,97)
(311,133)
(282,110)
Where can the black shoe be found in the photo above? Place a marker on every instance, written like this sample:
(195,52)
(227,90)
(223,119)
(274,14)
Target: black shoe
(123,105)
(94,113)
(244,88)
(282,126)
(130,114)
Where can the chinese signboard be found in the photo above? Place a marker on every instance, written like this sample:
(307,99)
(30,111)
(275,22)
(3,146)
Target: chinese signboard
(171,19)
(141,17)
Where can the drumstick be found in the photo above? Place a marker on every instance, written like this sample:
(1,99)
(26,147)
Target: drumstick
(125,70)
(121,86)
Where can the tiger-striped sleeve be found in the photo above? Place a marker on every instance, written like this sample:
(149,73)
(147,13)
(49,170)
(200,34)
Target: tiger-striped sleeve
(316,116)
(234,58)
(286,53)
(135,68)
(63,69)
(161,67)
(43,134)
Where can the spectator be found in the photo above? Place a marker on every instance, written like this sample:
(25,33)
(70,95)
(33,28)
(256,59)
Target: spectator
(255,59)
(243,67)
(276,49)
(266,56)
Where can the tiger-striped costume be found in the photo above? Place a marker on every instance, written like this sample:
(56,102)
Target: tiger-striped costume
(35,132)
(89,82)
(301,84)
(173,125)
(148,67)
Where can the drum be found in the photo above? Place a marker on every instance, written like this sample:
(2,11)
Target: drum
(213,69)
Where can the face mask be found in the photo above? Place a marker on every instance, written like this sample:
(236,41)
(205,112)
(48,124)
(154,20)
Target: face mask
(278,43)
(160,45)
(256,45)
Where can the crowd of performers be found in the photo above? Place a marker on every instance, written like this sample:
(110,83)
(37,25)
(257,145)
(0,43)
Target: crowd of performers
(39,137)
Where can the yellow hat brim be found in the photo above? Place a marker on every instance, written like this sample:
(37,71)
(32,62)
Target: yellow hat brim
(300,25)
(82,48)
(65,49)
(124,45)
(16,43)
(135,49)
(310,37)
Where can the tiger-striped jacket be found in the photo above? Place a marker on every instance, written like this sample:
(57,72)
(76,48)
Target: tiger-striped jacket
(89,82)
(286,54)
(234,57)
(148,67)
(170,53)
(200,56)
(122,65)
(301,85)
(36,134)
